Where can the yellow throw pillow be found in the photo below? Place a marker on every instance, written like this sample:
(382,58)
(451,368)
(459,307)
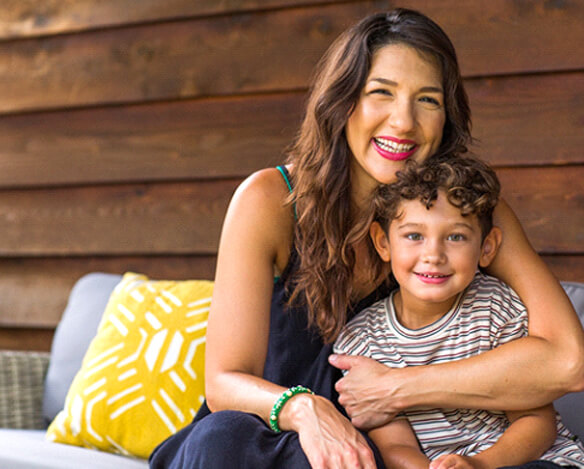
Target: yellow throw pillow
(142,378)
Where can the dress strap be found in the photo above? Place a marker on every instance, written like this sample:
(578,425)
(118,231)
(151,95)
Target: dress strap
(286,176)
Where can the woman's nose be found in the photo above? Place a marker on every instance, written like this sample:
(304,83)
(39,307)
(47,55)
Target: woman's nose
(401,116)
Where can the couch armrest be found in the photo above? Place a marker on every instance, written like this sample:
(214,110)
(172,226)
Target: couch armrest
(22,376)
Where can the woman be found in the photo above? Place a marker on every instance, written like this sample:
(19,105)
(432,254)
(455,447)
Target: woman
(388,90)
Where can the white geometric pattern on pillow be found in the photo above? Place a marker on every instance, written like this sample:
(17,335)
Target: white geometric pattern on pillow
(144,371)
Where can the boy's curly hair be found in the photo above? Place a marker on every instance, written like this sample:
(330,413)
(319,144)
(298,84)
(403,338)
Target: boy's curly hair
(469,183)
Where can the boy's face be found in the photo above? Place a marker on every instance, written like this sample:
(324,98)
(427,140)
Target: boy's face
(434,253)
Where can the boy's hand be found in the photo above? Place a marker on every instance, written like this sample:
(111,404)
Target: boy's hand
(456,461)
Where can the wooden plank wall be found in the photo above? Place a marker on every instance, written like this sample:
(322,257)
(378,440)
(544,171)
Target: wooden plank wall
(125,127)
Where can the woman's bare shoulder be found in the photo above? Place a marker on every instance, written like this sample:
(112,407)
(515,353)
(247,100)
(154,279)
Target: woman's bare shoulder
(265,192)
(260,204)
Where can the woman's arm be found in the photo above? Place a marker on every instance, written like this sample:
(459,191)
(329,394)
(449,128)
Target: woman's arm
(525,373)
(256,236)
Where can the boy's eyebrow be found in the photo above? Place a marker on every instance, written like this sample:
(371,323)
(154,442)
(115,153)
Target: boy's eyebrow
(410,225)
(425,89)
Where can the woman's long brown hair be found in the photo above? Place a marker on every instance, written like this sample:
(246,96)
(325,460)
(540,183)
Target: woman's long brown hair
(326,229)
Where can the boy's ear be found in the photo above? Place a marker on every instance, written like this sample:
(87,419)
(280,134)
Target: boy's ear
(380,240)
(490,246)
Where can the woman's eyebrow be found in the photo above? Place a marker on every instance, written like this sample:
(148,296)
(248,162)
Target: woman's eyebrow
(425,89)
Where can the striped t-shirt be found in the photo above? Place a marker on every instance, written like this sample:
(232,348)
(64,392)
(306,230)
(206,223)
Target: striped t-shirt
(487,314)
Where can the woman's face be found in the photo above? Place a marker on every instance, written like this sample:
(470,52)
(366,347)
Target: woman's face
(400,115)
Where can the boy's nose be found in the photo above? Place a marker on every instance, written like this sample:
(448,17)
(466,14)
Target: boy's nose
(433,253)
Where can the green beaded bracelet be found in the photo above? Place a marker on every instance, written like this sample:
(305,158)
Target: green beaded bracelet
(286,395)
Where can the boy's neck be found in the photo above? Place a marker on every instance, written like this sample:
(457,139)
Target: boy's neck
(413,313)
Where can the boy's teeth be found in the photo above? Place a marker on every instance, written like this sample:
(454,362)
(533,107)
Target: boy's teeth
(394,147)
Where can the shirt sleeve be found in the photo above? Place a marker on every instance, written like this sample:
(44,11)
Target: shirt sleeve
(509,315)
(354,339)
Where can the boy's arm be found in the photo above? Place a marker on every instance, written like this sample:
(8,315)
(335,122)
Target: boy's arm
(530,434)
(398,445)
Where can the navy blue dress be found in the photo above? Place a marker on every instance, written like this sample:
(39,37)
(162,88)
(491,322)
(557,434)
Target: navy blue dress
(233,439)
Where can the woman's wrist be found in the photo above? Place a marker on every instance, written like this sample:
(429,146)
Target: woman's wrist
(298,409)
(281,402)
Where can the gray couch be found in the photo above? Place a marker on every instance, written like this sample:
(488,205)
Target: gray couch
(33,386)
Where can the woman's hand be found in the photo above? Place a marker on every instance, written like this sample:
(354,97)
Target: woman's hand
(327,438)
(364,391)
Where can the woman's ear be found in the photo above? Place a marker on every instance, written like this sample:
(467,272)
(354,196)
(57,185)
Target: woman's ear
(380,241)
(490,246)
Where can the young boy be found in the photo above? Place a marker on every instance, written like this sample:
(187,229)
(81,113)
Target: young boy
(434,225)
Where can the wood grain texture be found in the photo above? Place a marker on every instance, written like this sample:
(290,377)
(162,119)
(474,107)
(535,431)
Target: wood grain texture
(266,51)
(210,56)
(529,120)
(568,268)
(186,218)
(27,321)
(34,291)
(26,339)
(179,218)
(190,140)
(29,18)
(512,36)
(549,202)
(525,120)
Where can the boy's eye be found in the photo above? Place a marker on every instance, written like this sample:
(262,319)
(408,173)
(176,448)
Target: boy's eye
(414,236)
(456,237)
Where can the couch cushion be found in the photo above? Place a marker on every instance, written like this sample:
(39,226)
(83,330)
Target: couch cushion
(571,406)
(78,325)
(28,449)
(142,378)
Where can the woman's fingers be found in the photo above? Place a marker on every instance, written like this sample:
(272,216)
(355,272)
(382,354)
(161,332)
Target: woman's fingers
(330,441)
(364,391)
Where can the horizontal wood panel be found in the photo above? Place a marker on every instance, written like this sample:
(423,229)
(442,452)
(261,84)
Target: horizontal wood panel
(23,315)
(527,120)
(549,202)
(35,291)
(271,50)
(29,18)
(166,141)
(186,218)
(510,36)
(220,55)
(26,339)
(568,268)
(144,219)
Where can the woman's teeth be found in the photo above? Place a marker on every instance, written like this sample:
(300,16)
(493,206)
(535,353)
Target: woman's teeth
(389,145)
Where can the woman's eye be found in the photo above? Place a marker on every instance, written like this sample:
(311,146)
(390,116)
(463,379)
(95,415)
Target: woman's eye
(430,100)
(381,91)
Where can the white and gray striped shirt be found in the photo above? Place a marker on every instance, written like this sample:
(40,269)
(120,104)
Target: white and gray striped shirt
(487,314)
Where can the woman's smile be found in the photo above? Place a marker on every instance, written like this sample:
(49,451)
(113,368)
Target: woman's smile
(393,148)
